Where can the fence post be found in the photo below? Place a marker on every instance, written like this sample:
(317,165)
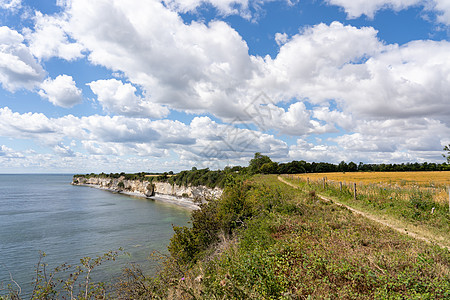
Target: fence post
(354,188)
(340,186)
(324,183)
(307,179)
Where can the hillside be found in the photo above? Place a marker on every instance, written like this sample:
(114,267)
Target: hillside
(266,240)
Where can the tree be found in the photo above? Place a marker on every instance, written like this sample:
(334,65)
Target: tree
(342,167)
(352,167)
(257,162)
(269,168)
(447,148)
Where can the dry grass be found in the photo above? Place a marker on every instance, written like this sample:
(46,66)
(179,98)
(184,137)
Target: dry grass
(423,179)
(296,246)
(402,184)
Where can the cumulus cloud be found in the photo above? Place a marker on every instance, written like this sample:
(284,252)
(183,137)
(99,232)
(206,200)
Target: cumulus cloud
(333,117)
(225,7)
(18,68)
(119,98)
(443,10)
(415,139)
(63,150)
(296,120)
(49,38)
(10,4)
(310,152)
(356,8)
(6,152)
(313,62)
(195,67)
(281,38)
(391,99)
(28,125)
(206,67)
(118,129)
(223,144)
(365,77)
(121,136)
(61,91)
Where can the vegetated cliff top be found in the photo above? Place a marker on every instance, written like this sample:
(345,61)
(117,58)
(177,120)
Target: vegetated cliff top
(262,164)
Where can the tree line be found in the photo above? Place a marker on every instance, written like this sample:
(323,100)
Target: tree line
(262,164)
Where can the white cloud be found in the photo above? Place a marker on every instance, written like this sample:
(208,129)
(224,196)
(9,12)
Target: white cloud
(334,117)
(281,38)
(379,141)
(6,153)
(228,143)
(392,100)
(193,67)
(366,78)
(309,65)
(415,139)
(103,149)
(443,9)
(173,133)
(296,120)
(61,91)
(309,152)
(49,38)
(10,4)
(206,68)
(405,82)
(18,68)
(119,98)
(63,150)
(356,8)
(202,140)
(225,7)
(28,125)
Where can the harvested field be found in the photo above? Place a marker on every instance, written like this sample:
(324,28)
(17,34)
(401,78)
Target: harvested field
(423,179)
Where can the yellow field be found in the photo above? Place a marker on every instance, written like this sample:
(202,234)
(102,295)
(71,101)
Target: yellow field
(398,178)
(405,183)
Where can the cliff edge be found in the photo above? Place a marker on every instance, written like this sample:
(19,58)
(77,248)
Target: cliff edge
(182,195)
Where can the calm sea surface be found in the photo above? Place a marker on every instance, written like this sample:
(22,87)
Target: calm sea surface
(46,213)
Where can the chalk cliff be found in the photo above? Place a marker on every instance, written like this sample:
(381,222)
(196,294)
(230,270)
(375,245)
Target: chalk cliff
(145,188)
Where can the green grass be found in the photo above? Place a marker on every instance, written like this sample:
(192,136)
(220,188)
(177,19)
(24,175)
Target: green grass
(281,243)
(408,206)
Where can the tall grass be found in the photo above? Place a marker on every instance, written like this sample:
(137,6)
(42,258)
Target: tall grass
(289,245)
(418,205)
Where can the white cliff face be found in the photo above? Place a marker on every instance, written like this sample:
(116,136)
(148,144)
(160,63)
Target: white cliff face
(165,188)
(147,189)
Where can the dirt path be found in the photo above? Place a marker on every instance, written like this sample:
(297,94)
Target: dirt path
(398,228)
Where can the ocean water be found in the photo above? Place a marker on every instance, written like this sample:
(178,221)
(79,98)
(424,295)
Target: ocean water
(46,213)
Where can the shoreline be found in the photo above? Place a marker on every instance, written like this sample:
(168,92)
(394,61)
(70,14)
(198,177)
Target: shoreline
(187,203)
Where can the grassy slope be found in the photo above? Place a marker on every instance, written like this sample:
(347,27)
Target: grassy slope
(276,242)
(408,207)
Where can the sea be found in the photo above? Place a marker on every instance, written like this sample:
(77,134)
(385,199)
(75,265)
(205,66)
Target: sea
(45,213)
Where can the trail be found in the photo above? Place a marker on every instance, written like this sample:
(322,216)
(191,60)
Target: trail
(397,228)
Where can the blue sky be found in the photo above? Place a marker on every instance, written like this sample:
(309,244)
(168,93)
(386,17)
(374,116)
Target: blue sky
(111,86)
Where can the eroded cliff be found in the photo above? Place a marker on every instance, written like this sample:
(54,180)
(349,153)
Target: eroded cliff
(145,188)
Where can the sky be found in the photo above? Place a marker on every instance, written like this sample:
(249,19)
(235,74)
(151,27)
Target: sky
(152,86)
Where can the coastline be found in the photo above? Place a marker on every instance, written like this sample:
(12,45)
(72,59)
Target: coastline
(185,202)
